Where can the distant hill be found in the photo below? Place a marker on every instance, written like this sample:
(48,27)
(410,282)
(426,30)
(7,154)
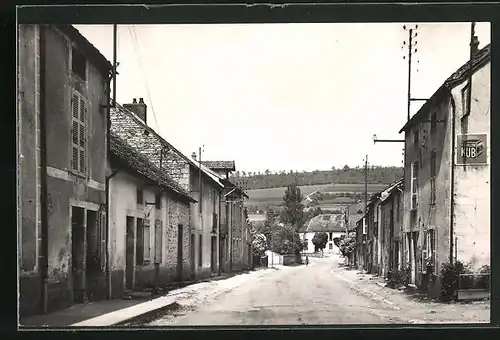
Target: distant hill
(266,180)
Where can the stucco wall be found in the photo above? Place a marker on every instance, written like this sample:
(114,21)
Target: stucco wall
(202,223)
(173,212)
(428,216)
(472,183)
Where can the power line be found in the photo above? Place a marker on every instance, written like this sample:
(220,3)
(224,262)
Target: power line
(135,43)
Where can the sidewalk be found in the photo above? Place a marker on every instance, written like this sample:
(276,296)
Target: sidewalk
(413,306)
(119,311)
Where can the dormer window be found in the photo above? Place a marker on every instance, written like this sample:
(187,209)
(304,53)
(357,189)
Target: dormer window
(78,64)
(415,137)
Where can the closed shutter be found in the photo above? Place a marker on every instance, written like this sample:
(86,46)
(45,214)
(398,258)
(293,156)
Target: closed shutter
(78,133)
(102,237)
(139,258)
(158,241)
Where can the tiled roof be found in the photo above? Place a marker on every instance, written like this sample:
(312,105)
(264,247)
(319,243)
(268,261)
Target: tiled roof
(481,57)
(130,127)
(332,224)
(220,165)
(126,155)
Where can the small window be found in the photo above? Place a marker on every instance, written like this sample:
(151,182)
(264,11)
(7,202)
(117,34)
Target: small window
(158,200)
(415,138)
(414,185)
(79,64)
(433,178)
(140,198)
(465,100)
(330,246)
(330,236)
(214,201)
(433,124)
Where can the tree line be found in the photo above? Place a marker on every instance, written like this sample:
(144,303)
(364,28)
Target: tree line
(282,178)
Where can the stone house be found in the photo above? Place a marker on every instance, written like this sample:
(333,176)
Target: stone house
(149,218)
(331,224)
(204,185)
(63,95)
(447,167)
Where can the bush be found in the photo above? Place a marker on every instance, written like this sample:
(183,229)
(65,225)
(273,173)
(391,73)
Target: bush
(450,275)
(398,277)
(484,279)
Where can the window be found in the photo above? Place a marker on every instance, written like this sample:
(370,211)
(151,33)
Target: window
(158,200)
(147,241)
(428,261)
(465,100)
(330,246)
(433,124)
(78,64)
(139,245)
(330,236)
(139,194)
(214,201)
(433,178)
(158,241)
(200,251)
(414,185)
(78,132)
(415,137)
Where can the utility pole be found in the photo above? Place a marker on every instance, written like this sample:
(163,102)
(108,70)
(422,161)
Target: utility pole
(115,29)
(366,184)
(412,43)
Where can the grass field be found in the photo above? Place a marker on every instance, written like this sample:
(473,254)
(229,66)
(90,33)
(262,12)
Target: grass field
(275,195)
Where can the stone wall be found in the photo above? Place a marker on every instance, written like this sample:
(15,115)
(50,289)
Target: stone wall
(145,140)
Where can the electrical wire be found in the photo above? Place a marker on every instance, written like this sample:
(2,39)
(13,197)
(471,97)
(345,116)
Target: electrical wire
(135,43)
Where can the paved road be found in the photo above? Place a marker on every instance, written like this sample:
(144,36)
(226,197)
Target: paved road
(289,296)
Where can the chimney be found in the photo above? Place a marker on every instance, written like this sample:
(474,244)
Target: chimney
(475,46)
(193,156)
(139,108)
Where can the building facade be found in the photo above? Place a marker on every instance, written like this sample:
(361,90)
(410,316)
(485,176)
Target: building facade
(149,220)
(63,86)
(447,189)
(331,224)
(204,185)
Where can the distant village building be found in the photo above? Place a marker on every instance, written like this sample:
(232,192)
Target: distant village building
(63,93)
(447,183)
(331,224)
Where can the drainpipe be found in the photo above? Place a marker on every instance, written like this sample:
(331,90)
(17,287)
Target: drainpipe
(44,265)
(452,170)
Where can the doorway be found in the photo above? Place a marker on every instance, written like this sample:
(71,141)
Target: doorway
(213,259)
(180,234)
(93,261)
(129,250)
(78,262)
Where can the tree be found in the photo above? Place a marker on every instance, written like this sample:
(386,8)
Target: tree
(259,244)
(286,240)
(346,167)
(348,247)
(267,172)
(293,213)
(320,240)
(270,224)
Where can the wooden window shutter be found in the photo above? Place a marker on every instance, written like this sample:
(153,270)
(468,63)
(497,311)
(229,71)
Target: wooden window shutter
(78,133)
(74,132)
(140,242)
(158,241)
(103,248)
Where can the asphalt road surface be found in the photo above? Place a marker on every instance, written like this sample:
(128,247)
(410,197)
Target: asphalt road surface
(298,295)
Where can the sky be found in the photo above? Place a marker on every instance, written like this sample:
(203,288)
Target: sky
(283,96)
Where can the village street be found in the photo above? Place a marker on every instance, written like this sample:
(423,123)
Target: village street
(321,293)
